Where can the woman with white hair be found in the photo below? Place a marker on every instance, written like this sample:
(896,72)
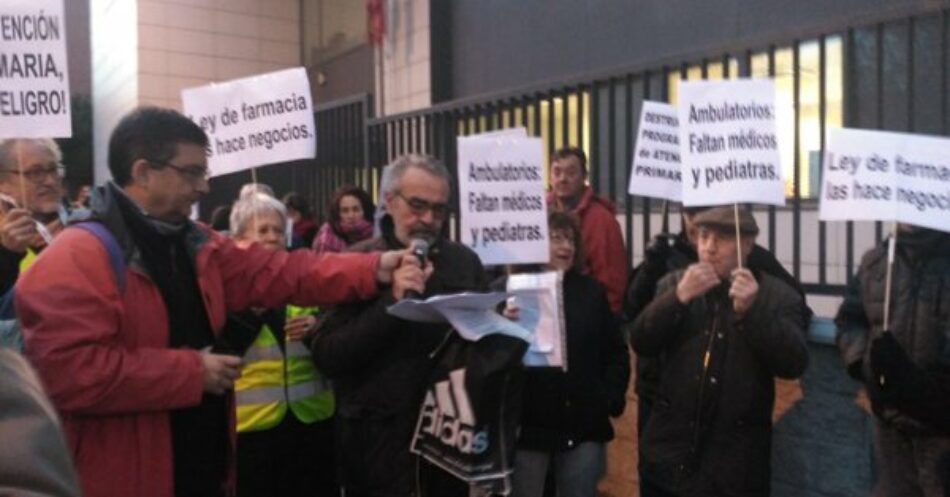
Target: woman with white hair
(284,405)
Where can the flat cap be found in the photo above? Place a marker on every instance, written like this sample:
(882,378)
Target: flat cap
(723,218)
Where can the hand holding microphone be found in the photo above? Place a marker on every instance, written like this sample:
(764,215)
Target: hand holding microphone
(409,279)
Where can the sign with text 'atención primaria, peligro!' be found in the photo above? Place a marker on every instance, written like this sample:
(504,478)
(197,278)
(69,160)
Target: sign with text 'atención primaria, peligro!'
(728,142)
(886,176)
(255,121)
(34,80)
(504,216)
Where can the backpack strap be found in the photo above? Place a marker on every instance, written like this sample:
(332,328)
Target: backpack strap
(116,258)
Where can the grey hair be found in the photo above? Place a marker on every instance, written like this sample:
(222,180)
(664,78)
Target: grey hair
(254,204)
(8,158)
(393,172)
(250,188)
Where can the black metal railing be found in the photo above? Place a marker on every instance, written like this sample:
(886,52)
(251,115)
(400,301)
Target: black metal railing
(885,74)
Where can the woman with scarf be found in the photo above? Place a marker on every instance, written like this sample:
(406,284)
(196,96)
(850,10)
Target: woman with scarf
(351,220)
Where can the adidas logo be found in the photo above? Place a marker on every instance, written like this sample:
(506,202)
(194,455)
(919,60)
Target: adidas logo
(447,415)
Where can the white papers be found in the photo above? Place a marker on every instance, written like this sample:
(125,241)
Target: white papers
(473,315)
(542,314)
(34,80)
(886,176)
(728,142)
(255,121)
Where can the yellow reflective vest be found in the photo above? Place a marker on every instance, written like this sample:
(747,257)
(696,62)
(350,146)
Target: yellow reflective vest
(274,378)
(27,260)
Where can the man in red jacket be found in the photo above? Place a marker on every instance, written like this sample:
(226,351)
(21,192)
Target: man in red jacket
(121,317)
(603,242)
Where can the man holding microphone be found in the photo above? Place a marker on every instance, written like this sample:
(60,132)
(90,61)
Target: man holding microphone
(379,363)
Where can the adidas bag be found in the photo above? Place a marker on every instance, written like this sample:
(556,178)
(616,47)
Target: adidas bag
(470,412)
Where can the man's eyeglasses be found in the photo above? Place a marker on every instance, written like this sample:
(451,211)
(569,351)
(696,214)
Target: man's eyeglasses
(419,207)
(38,174)
(192,173)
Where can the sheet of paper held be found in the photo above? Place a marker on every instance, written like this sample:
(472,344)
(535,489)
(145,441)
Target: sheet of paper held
(472,314)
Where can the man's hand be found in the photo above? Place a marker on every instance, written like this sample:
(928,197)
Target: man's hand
(698,279)
(219,371)
(18,230)
(410,276)
(511,310)
(298,327)
(388,262)
(743,290)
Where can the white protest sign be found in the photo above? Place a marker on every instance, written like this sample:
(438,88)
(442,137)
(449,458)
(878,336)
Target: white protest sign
(255,121)
(501,194)
(728,143)
(886,176)
(655,171)
(34,81)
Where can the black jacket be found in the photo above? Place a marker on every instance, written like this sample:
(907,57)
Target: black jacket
(561,410)
(662,258)
(710,429)
(915,356)
(379,364)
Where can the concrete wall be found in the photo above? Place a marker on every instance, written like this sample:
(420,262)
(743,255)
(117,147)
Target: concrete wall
(181,44)
(404,59)
(114,72)
(503,44)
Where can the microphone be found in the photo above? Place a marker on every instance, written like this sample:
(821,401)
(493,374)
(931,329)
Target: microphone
(419,248)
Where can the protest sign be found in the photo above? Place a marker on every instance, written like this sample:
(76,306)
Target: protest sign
(885,176)
(34,81)
(728,143)
(655,171)
(501,194)
(255,121)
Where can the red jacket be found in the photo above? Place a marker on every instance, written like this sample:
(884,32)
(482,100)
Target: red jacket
(104,357)
(603,243)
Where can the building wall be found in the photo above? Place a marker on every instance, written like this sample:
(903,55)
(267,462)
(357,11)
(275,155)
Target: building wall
(114,72)
(404,59)
(78,46)
(500,44)
(181,44)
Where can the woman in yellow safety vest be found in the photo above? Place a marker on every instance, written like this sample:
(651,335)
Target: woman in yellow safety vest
(284,406)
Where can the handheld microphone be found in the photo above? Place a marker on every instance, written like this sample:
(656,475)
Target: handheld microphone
(419,248)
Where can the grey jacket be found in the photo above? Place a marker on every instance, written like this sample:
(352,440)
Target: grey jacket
(920,325)
(33,459)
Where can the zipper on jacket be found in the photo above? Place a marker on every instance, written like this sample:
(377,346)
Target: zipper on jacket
(707,355)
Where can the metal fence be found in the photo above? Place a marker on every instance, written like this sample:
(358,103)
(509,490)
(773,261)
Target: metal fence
(889,74)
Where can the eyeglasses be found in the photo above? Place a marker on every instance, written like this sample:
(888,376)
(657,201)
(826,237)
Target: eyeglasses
(38,174)
(191,173)
(419,207)
(561,239)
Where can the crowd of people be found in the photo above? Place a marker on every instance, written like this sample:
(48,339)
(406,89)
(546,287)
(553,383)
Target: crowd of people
(147,354)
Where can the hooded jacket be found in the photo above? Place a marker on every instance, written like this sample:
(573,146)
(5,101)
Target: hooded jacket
(603,243)
(103,353)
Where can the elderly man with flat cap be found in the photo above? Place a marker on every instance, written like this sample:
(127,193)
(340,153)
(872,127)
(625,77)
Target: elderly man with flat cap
(725,332)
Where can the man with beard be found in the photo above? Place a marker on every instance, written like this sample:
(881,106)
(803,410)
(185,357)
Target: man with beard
(31,180)
(379,363)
